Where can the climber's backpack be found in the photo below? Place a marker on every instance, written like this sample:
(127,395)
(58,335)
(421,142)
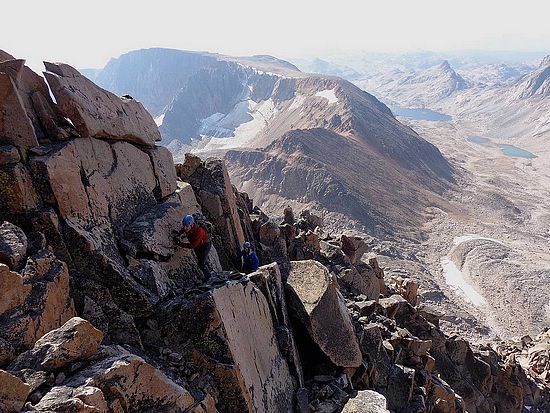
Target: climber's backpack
(201,221)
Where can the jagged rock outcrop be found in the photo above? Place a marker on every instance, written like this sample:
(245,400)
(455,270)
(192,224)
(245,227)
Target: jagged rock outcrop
(13,245)
(34,302)
(229,332)
(98,113)
(314,293)
(101,312)
(210,180)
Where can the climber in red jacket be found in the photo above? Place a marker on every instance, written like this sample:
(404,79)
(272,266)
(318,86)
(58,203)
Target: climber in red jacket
(199,241)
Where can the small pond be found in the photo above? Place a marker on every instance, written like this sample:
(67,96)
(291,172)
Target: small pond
(421,114)
(508,150)
(514,151)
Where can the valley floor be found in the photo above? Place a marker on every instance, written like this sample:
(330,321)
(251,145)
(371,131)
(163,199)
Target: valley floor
(486,260)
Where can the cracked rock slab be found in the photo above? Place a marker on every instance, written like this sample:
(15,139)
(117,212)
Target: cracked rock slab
(98,113)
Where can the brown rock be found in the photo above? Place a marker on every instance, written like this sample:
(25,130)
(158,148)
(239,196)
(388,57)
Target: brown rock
(76,340)
(13,68)
(313,295)
(84,399)
(151,233)
(13,292)
(354,247)
(417,346)
(361,279)
(164,170)
(442,397)
(288,215)
(408,289)
(269,281)
(48,306)
(128,382)
(152,275)
(47,123)
(269,232)
(13,393)
(189,166)
(400,387)
(396,306)
(95,181)
(98,113)
(311,220)
(15,126)
(17,192)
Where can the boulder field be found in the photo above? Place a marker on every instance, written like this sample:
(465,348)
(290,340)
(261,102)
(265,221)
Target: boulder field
(101,311)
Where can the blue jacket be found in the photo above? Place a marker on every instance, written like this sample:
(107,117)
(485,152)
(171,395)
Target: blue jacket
(251,262)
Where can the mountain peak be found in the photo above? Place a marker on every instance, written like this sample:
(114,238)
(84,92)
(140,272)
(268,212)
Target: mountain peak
(545,62)
(444,65)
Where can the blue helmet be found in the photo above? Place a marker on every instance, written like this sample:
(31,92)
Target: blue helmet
(247,245)
(187,220)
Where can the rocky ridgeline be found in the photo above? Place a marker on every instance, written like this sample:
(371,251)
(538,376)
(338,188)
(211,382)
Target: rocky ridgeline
(101,312)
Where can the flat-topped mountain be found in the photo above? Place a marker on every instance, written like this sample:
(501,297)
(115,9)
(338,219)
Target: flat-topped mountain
(219,103)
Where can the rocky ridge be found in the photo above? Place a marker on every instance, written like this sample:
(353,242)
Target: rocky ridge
(257,111)
(101,312)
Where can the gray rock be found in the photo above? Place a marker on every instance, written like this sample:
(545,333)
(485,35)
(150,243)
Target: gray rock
(400,387)
(13,245)
(9,154)
(366,401)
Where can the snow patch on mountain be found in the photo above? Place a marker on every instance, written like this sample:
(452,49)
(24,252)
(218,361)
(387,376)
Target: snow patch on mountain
(239,127)
(330,95)
(159,119)
(455,279)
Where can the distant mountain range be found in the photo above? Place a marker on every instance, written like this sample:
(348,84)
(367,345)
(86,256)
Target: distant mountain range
(316,140)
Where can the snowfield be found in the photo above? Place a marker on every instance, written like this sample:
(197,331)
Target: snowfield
(330,95)
(455,279)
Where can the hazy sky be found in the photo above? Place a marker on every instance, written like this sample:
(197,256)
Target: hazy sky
(87,33)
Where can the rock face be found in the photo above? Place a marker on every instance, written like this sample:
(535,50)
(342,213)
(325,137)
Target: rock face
(210,180)
(13,393)
(536,83)
(98,113)
(35,301)
(313,293)
(220,330)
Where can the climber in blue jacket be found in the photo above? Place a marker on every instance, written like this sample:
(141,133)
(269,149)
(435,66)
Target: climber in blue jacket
(251,261)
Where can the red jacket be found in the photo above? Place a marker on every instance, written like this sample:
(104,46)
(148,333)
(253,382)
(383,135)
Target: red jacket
(197,236)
